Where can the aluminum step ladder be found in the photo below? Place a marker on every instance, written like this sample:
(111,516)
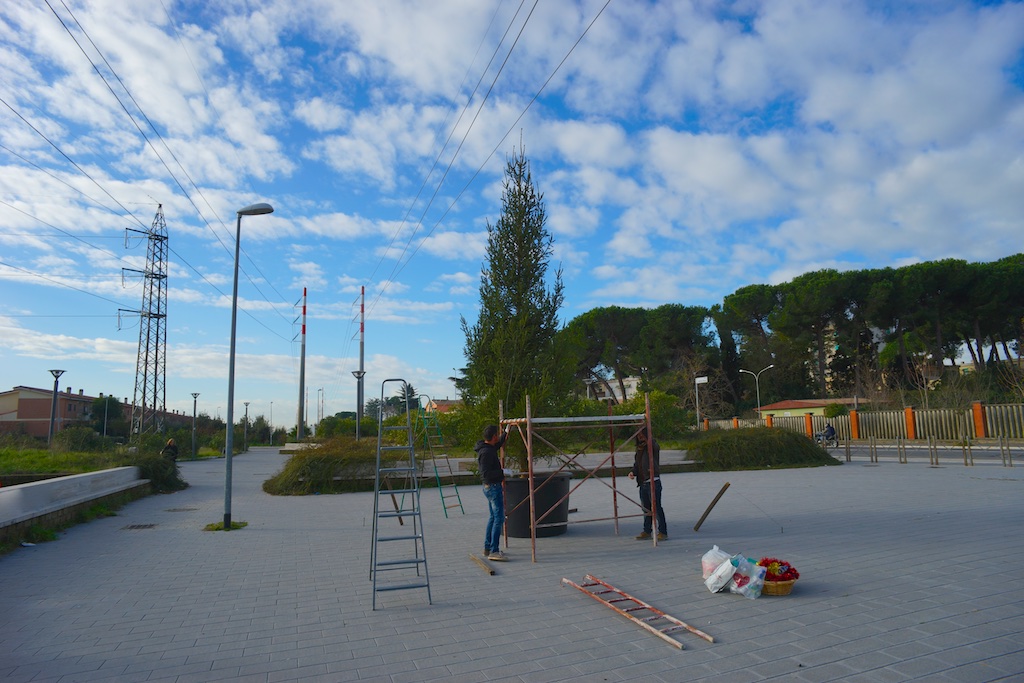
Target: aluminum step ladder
(444,474)
(397,548)
(639,612)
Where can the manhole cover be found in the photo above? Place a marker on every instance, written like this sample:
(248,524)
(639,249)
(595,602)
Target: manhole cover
(132,527)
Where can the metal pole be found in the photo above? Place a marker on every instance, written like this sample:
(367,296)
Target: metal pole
(696,399)
(360,373)
(229,439)
(245,430)
(53,406)
(195,396)
(300,428)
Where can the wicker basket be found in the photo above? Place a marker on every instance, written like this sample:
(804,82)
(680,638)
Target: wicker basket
(777,587)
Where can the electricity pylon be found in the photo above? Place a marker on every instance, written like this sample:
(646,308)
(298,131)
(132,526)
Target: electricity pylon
(149,403)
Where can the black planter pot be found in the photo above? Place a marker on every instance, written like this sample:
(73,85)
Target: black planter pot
(548,490)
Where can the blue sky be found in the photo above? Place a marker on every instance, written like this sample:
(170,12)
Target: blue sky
(685,149)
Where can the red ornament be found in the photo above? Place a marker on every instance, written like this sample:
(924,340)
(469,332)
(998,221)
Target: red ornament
(777,570)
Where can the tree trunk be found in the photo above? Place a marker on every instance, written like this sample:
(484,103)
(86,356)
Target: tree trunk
(978,344)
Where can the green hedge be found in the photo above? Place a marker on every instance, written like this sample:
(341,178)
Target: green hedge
(337,465)
(757,448)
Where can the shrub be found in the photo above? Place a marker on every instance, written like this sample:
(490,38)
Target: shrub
(163,474)
(77,439)
(757,448)
(835,410)
(337,465)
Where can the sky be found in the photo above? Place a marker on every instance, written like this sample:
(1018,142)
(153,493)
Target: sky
(685,149)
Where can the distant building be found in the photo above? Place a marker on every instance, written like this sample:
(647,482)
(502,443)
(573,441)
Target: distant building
(26,410)
(801,406)
(598,390)
(441,405)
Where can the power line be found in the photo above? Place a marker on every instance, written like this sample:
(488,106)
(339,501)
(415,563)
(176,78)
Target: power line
(70,160)
(150,144)
(503,138)
(59,283)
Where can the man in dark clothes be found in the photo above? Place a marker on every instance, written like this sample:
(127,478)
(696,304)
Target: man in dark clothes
(492,477)
(641,472)
(170,451)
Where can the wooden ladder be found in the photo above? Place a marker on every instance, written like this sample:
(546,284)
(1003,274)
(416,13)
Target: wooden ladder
(612,597)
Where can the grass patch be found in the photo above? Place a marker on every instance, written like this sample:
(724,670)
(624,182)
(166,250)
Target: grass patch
(40,534)
(757,448)
(43,461)
(219,526)
(96,512)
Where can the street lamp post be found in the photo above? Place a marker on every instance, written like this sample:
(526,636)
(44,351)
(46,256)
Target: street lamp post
(697,381)
(359,374)
(195,397)
(245,430)
(757,385)
(271,423)
(229,440)
(53,407)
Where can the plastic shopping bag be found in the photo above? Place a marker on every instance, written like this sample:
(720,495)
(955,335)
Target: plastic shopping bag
(722,575)
(712,560)
(747,579)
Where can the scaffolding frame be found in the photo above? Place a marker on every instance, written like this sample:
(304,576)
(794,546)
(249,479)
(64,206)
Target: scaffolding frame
(568,462)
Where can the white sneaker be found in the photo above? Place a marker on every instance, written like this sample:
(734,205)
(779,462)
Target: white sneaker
(498,556)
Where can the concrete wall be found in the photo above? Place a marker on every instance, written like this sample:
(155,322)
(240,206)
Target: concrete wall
(26,502)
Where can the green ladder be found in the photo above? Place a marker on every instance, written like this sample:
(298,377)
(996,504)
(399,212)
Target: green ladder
(403,549)
(444,474)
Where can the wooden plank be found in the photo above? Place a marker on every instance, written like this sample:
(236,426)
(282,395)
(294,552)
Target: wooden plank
(484,564)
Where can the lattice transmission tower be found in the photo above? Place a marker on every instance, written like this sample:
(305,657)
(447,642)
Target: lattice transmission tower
(149,403)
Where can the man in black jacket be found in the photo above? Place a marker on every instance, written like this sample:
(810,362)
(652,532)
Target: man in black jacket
(492,477)
(642,473)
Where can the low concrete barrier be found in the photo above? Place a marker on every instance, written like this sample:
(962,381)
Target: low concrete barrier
(23,503)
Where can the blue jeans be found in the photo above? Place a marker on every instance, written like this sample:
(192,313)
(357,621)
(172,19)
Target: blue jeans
(496,503)
(645,500)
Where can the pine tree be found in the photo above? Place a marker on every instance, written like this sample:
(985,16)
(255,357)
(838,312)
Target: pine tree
(510,351)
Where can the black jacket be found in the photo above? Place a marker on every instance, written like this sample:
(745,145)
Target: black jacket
(641,463)
(488,461)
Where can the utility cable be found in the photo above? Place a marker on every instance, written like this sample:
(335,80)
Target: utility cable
(398,263)
(149,142)
(60,284)
(71,161)
(502,140)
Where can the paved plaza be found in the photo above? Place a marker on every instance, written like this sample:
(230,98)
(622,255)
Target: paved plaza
(909,573)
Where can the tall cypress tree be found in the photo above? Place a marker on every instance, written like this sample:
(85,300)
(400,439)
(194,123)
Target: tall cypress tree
(510,351)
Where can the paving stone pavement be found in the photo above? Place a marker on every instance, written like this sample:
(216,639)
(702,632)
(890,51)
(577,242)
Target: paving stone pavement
(909,573)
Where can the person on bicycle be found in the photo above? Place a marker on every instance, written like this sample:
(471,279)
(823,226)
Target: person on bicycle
(829,433)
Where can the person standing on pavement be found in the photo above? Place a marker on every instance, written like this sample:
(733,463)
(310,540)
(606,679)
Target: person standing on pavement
(492,476)
(642,473)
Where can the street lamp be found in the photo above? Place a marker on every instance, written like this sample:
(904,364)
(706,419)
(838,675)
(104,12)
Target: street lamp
(359,374)
(229,440)
(245,430)
(757,385)
(195,396)
(697,381)
(53,407)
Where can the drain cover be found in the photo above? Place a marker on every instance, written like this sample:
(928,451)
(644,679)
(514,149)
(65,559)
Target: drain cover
(132,527)
(181,509)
